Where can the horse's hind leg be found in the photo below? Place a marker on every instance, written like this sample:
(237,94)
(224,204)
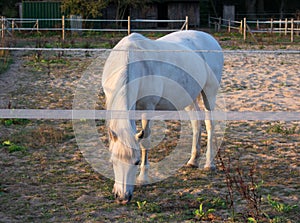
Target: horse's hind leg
(209,104)
(196,126)
(209,95)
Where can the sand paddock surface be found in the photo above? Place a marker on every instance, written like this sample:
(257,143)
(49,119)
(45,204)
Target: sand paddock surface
(45,178)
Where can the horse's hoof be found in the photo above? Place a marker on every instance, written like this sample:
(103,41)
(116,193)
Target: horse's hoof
(210,168)
(141,182)
(191,165)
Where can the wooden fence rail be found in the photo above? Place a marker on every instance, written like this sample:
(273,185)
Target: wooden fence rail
(10,25)
(267,26)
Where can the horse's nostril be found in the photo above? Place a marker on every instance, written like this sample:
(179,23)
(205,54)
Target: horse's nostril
(121,200)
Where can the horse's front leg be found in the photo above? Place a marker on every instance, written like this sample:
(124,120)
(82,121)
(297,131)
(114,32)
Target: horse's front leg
(143,177)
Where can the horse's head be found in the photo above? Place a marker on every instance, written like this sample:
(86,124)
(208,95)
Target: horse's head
(125,160)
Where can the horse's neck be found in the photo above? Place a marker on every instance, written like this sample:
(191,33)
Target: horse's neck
(124,128)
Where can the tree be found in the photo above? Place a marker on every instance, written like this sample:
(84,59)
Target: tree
(251,8)
(126,5)
(8,8)
(85,8)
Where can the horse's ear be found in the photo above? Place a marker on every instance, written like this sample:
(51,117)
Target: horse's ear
(112,135)
(139,135)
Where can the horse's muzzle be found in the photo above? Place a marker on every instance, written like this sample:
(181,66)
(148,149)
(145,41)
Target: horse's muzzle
(123,200)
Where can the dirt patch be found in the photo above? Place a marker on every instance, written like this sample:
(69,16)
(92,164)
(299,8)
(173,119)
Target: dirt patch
(48,179)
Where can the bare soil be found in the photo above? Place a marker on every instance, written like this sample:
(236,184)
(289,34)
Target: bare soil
(45,178)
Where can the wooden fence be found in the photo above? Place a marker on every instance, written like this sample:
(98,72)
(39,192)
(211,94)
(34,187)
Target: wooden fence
(63,25)
(285,27)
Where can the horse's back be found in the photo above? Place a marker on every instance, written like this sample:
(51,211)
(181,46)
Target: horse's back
(164,68)
(200,41)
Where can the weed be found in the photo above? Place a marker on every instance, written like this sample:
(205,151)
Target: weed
(280,207)
(17,121)
(200,213)
(151,207)
(245,185)
(11,147)
(251,220)
(141,204)
(281,129)
(213,202)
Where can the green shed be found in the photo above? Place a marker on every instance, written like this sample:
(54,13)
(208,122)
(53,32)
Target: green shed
(42,10)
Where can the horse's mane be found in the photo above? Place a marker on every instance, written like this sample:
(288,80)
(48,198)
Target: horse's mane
(114,82)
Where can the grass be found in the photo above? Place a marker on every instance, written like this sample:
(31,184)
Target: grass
(16,121)
(280,207)
(281,129)
(12,147)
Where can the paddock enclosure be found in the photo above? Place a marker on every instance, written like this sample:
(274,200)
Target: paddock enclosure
(45,176)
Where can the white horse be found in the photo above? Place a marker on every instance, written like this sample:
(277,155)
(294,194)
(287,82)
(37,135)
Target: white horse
(163,74)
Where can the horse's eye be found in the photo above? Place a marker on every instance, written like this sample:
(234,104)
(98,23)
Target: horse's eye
(137,162)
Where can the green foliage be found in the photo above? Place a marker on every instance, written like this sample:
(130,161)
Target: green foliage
(251,220)
(86,9)
(280,128)
(11,147)
(16,121)
(200,213)
(8,8)
(146,206)
(280,207)
(141,204)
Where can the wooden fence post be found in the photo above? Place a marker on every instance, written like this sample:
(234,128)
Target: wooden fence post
(37,25)
(186,23)
(285,26)
(219,24)
(63,27)
(128,28)
(241,27)
(12,27)
(279,27)
(292,30)
(2,27)
(229,24)
(245,28)
(271,25)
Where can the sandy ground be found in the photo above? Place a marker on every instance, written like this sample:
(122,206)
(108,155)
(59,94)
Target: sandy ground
(261,82)
(251,82)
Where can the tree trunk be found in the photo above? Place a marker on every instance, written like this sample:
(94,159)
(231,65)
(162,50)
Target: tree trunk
(251,8)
